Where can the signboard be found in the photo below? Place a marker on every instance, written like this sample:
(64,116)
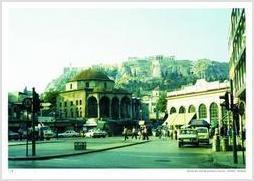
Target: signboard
(141,123)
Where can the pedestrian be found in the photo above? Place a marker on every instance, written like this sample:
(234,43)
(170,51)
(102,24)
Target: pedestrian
(145,134)
(134,132)
(125,133)
(140,133)
(175,134)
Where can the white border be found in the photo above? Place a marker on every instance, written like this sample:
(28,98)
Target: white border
(126,173)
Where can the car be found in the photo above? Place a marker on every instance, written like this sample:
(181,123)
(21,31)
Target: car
(96,133)
(68,133)
(203,134)
(47,133)
(13,135)
(188,136)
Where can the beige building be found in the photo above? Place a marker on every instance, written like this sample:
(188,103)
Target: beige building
(150,101)
(91,94)
(200,101)
(237,62)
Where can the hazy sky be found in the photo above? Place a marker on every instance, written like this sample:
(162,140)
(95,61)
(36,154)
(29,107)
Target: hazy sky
(43,41)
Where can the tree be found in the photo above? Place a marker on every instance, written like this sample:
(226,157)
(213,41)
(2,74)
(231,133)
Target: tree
(162,103)
(51,97)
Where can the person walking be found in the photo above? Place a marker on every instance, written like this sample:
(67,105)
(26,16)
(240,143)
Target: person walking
(175,134)
(125,134)
(134,133)
(146,133)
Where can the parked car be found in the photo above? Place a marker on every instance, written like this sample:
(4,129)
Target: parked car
(188,136)
(68,133)
(13,136)
(48,133)
(96,133)
(203,134)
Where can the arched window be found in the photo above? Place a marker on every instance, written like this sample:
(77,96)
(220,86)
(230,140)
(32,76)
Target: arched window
(104,106)
(172,110)
(202,111)
(192,109)
(182,109)
(125,107)
(224,115)
(92,107)
(214,116)
(115,108)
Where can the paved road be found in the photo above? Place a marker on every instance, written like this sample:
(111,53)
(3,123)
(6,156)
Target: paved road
(155,154)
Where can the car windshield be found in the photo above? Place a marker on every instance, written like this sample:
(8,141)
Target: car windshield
(187,132)
(202,130)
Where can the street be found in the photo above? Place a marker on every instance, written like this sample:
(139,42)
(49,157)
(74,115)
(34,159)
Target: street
(157,153)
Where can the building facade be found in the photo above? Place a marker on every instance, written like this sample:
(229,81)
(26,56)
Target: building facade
(237,62)
(91,94)
(200,101)
(150,101)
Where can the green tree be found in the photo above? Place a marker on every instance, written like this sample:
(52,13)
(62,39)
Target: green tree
(51,97)
(162,103)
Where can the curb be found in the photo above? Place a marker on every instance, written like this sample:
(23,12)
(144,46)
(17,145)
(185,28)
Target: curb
(18,144)
(71,154)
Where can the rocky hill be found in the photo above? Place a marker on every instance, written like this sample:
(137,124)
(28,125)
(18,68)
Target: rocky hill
(141,75)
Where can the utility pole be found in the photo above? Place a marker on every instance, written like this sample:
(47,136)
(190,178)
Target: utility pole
(33,123)
(235,116)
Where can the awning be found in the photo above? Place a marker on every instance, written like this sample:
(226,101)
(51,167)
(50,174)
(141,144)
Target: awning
(141,123)
(199,122)
(177,119)
(101,124)
(91,122)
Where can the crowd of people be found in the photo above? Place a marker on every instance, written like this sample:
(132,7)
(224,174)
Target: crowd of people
(137,133)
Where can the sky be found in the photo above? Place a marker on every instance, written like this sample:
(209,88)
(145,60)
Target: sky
(42,41)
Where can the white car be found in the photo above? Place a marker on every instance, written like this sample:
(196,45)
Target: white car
(69,133)
(188,136)
(89,133)
(203,134)
(96,133)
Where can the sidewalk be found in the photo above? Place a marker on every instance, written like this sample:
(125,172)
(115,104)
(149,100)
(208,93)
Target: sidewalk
(63,148)
(225,159)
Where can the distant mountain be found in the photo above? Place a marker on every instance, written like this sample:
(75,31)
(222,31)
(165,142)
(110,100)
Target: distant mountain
(141,75)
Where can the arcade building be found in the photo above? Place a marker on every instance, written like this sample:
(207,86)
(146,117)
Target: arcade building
(91,99)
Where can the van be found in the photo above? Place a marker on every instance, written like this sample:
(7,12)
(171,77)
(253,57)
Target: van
(203,134)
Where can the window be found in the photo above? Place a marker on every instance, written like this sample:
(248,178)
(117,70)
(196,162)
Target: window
(77,113)
(105,85)
(60,104)
(202,111)
(71,113)
(71,103)
(80,114)
(76,102)
(192,109)
(65,113)
(87,84)
(172,110)
(182,109)
(65,104)
(80,102)
(214,116)
(70,86)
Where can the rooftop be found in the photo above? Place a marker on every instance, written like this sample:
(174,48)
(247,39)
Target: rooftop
(200,86)
(91,74)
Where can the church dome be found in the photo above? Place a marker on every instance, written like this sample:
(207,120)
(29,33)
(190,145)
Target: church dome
(91,74)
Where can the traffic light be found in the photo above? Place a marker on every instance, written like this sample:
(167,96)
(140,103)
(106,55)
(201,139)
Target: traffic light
(226,101)
(36,102)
